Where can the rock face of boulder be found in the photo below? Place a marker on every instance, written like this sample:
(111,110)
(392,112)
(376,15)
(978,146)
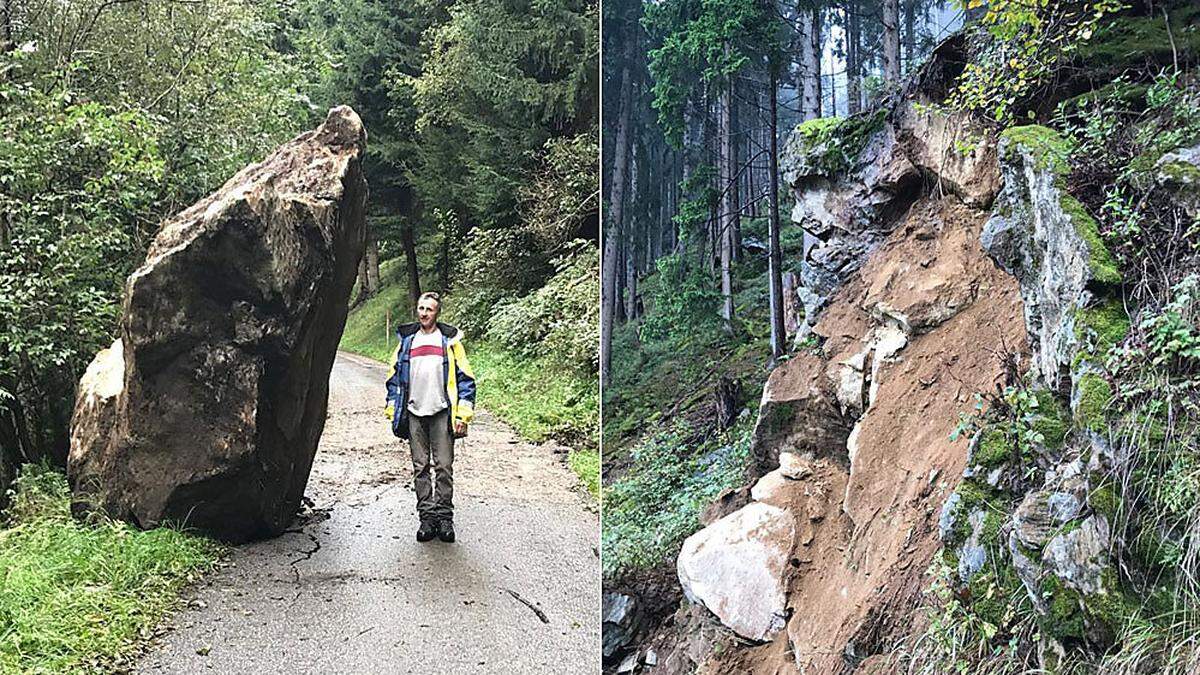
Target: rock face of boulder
(206,411)
(735,567)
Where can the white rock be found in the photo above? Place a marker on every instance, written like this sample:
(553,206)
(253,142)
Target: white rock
(735,568)
(772,489)
(791,466)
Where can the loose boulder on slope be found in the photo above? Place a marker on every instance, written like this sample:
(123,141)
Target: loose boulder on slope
(206,410)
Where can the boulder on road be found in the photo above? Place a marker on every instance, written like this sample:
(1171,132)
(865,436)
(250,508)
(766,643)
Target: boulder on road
(207,409)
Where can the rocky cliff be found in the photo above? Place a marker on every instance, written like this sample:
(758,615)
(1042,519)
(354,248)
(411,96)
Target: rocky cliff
(947,421)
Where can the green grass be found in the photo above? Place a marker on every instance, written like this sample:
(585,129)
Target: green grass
(76,597)
(537,398)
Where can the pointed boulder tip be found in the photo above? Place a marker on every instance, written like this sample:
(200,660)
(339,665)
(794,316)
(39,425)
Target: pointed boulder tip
(345,126)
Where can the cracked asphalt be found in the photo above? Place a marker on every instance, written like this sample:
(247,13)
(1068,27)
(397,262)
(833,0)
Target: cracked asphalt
(349,590)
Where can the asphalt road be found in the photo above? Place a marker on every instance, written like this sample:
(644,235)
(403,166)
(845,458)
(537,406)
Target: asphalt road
(349,590)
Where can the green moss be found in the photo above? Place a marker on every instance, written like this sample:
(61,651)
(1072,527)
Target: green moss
(1181,172)
(1109,609)
(992,594)
(989,535)
(974,494)
(1064,610)
(1050,150)
(820,129)
(1095,394)
(1103,265)
(1122,90)
(838,140)
(1052,421)
(994,448)
(1107,321)
(1130,40)
(1105,501)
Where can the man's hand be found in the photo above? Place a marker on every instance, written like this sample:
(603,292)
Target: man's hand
(390,412)
(460,428)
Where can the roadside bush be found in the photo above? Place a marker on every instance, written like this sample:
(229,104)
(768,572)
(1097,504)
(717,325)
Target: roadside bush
(561,318)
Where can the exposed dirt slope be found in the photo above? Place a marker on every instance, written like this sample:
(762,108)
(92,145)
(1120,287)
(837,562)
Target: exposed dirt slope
(908,340)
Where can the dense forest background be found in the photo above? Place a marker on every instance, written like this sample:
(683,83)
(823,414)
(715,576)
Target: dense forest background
(482,136)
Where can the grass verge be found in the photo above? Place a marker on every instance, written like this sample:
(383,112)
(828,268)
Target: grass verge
(78,597)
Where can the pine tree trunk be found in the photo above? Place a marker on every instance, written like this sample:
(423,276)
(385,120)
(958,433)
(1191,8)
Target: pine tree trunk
(612,241)
(408,242)
(734,184)
(630,238)
(778,336)
(910,34)
(810,64)
(725,221)
(853,65)
(891,42)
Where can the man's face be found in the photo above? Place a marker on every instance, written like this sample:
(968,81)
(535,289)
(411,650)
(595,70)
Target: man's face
(427,311)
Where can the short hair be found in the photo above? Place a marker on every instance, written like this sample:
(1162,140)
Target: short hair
(430,295)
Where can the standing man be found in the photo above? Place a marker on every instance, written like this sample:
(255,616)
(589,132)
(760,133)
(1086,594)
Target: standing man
(430,402)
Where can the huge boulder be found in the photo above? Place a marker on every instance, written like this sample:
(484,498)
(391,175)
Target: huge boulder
(206,410)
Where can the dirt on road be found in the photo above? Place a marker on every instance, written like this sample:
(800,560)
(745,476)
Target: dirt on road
(349,590)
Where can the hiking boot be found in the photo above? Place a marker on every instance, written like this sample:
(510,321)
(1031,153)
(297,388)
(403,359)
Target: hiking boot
(427,530)
(445,531)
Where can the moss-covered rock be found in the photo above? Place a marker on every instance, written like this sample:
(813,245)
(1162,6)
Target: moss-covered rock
(994,448)
(1052,420)
(831,145)
(1129,40)
(1049,149)
(1184,173)
(1064,618)
(1105,501)
(1103,265)
(1093,396)
(1106,324)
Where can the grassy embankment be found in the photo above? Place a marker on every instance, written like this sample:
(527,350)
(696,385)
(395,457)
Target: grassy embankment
(80,597)
(538,399)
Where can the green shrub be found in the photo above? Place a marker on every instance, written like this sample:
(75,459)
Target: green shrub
(561,319)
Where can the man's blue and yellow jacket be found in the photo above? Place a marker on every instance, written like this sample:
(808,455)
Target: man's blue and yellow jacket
(456,374)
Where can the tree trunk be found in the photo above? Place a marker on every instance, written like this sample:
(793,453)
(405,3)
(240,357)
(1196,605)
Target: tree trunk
(408,242)
(608,300)
(810,64)
(910,34)
(853,65)
(891,42)
(630,239)
(724,233)
(368,270)
(778,336)
(733,186)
